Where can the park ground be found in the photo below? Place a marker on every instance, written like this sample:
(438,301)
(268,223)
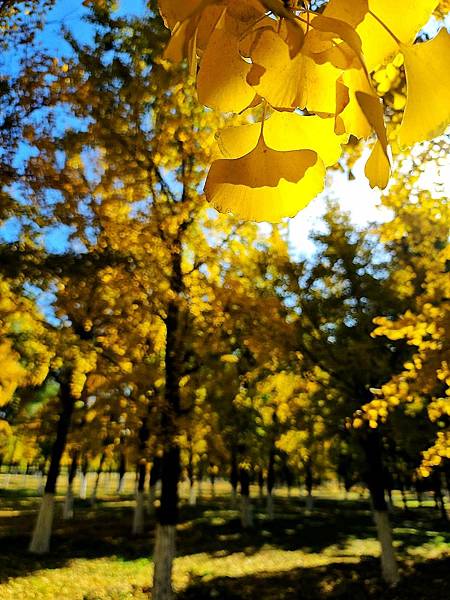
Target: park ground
(328,553)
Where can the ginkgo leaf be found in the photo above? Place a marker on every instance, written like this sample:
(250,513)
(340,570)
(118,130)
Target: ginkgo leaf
(401,17)
(352,117)
(234,142)
(178,47)
(317,87)
(427,111)
(352,12)
(373,111)
(173,11)
(285,131)
(346,33)
(265,185)
(274,75)
(378,166)
(221,81)
(192,34)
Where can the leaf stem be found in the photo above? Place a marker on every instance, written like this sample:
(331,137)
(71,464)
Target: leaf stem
(385,27)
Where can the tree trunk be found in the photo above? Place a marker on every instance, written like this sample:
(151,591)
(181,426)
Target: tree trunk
(122,473)
(246,505)
(154,478)
(84,478)
(97,480)
(375,482)
(270,483)
(309,480)
(40,541)
(192,493)
(234,476)
(191,477)
(212,480)
(40,483)
(68,501)
(138,518)
(261,485)
(163,561)
(200,473)
(437,492)
(166,528)
(167,515)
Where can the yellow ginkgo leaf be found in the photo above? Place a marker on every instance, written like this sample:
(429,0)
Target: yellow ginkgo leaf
(317,87)
(192,34)
(340,28)
(351,11)
(265,185)
(234,142)
(285,131)
(319,84)
(221,81)
(427,110)
(180,43)
(274,75)
(373,110)
(378,166)
(173,11)
(402,18)
(352,117)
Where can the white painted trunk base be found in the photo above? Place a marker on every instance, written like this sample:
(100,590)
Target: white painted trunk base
(121,484)
(246,512)
(269,507)
(83,486)
(138,518)
(68,504)
(163,560)
(192,495)
(40,541)
(388,561)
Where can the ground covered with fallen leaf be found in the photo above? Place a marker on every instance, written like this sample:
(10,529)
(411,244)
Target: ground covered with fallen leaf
(330,552)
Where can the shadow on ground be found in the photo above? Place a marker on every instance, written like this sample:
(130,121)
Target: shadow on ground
(213,527)
(425,581)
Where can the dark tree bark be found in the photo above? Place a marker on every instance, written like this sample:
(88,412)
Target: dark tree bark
(67,405)
(122,471)
(234,472)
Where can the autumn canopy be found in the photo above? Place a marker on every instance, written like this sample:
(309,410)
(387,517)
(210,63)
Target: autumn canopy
(310,78)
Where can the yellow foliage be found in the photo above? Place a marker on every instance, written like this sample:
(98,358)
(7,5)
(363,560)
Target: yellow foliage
(320,64)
